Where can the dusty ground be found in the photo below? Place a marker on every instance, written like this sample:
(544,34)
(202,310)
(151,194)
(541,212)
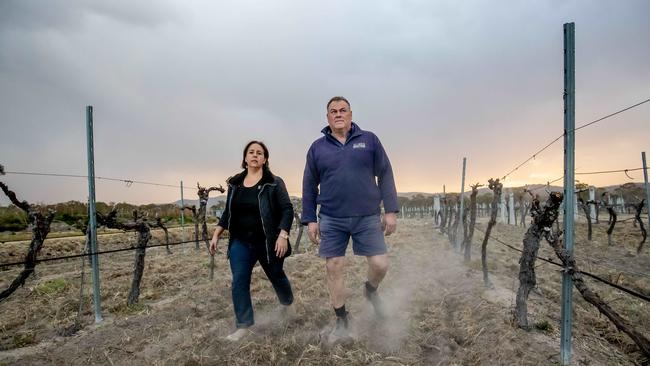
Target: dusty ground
(441,314)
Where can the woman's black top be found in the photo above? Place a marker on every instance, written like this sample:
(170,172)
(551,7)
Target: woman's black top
(275,209)
(246,224)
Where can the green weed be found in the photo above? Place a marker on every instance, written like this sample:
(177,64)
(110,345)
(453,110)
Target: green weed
(51,287)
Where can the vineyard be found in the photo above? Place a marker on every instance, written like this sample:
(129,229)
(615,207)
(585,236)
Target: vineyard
(497,275)
(474,279)
(441,311)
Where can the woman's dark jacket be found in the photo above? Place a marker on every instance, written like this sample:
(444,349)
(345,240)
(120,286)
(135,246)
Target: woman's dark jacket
(276,209)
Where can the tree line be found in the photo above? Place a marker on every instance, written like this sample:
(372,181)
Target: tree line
(71,213)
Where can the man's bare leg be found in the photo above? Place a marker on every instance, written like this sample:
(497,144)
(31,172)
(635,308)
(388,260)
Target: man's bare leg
(336,285)
(377,268)
(336,280)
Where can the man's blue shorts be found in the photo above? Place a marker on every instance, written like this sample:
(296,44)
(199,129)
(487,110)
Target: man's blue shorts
(366,231)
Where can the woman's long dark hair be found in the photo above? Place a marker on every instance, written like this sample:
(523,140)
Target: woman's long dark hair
(266,155)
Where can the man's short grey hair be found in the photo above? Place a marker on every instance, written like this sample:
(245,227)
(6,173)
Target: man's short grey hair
(337,99)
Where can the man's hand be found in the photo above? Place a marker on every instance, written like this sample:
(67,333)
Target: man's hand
(389,223)
(313,232)
(213,245)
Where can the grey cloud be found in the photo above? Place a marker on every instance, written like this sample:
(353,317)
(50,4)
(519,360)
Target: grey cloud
(180,87)
(70,15)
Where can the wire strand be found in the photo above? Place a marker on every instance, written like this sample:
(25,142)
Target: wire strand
(98,253)
(128,182)
(575,129)
(609,171)
(611,115)
(624,289)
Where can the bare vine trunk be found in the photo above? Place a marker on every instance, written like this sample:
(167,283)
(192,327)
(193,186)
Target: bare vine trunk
(612,223)
(453,227)
(160,224)
(637,218)
(585,208)
(143,228)
(300,230)
(196,232)
(204,231)
(192,209)
(465,222)
(40,228)
(524,212)
(144,234)
(496,188)
(450,217)
(443,214)
(543,219)
(204,195)
(472,223)
(593,298)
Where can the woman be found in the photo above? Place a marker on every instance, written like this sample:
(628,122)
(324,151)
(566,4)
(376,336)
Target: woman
(258,216)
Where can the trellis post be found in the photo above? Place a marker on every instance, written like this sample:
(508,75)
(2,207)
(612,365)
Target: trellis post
(92,218)
(569,187)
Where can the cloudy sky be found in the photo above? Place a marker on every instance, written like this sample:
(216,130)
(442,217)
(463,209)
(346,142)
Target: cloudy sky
(178,88)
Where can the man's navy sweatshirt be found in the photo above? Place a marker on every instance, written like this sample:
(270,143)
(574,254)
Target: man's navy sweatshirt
(353,177)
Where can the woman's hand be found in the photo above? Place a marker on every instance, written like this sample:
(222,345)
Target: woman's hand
(213,245)
(281,245)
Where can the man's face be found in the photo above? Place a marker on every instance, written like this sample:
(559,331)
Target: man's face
(339,116)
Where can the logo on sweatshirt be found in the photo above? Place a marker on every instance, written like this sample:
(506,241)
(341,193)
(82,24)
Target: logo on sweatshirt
(359,145)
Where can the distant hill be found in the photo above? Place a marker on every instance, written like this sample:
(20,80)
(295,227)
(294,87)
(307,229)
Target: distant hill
(538,188)
(410,195)
(211,201)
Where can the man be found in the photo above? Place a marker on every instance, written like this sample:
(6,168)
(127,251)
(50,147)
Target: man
(348,173)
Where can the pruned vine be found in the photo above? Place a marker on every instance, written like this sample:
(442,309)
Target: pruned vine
(40,223)
(497,188)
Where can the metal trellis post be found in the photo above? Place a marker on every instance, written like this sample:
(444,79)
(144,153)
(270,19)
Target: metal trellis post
(647,191)
(182,214)
(92,219)
(569,187)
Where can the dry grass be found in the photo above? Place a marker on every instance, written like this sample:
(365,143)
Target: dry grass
(440,312)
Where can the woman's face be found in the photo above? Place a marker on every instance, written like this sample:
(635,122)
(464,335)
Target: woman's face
(255,156)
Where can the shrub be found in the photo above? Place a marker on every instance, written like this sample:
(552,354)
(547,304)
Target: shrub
(69,218)
(12,222)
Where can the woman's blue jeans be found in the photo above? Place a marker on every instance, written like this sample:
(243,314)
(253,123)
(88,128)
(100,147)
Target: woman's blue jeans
(243,257)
